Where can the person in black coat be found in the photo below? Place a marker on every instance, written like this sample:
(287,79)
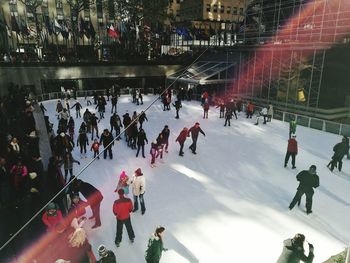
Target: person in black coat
(106,256)
(228,117)
(101,107)
(116,124)
(107,141)
(142,118)
(195,130)
(222,109)
(126,123)
(141,138)
(94,127)
(293,250)
(177,106)
(93,197)
(114,101)
(78,107)
(82,141)
(340,150)
(166,134)
(5,184)
(308,180)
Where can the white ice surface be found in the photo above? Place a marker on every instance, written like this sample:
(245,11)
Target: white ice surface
(229,203)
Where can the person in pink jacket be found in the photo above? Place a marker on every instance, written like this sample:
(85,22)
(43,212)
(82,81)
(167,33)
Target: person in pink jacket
(19,175)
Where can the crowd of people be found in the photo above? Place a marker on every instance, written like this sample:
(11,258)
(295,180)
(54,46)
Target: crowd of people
(21,167)
(22,170)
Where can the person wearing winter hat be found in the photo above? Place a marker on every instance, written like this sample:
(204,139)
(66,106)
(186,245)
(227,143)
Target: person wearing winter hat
(122,209)
(123,183)
(181,139)
(195,130)
(293,250)
(308,179)
(292,150)
(138,190)
(93,196)
(154,152)
(155,246)
(52,216)
(106,256)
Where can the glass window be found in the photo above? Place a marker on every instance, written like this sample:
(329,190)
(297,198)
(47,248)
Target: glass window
(228,10)
(59,4)
(241,11)
(215,10)
(222,9)
(208,8)
(234,10)
(99,9)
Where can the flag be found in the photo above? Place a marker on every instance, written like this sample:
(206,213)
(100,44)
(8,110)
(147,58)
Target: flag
(211,31)
(14,25)
(137,32)
(91,30)
(32,31)
(182,31)
(65,31)
(122,28)
(24,28)
(48,25)
(112,32)
(241,28)
(146,28)
(81,27)
(57,28)
(44,34)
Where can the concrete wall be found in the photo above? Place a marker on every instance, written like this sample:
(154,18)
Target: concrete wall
(33,75)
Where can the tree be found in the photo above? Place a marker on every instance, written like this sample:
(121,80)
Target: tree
(293,77)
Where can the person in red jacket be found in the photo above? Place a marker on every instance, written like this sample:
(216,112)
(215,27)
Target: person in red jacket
(77,208)
(181,139)
(96,147)
(292,150)
(52,216)
(122,209)
(250,110)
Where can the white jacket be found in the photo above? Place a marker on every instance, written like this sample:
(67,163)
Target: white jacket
(138,185)
(64,115)
(264,111)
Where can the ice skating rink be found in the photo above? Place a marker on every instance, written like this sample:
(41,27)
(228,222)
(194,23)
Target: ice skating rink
(229,203)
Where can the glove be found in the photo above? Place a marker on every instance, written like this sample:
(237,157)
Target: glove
(311,248)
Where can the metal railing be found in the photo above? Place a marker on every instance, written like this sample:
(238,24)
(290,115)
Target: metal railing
(307,119)
(86,93)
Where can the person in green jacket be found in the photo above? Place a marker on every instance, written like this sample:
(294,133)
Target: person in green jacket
(293,251)
(292,127)
(155,246)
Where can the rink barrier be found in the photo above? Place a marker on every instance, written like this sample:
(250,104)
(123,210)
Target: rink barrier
(302,119)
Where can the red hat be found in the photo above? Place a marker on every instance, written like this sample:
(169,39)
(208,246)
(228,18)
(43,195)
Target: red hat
(138,172)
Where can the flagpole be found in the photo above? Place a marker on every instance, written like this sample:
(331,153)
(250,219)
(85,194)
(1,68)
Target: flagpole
(12,41)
